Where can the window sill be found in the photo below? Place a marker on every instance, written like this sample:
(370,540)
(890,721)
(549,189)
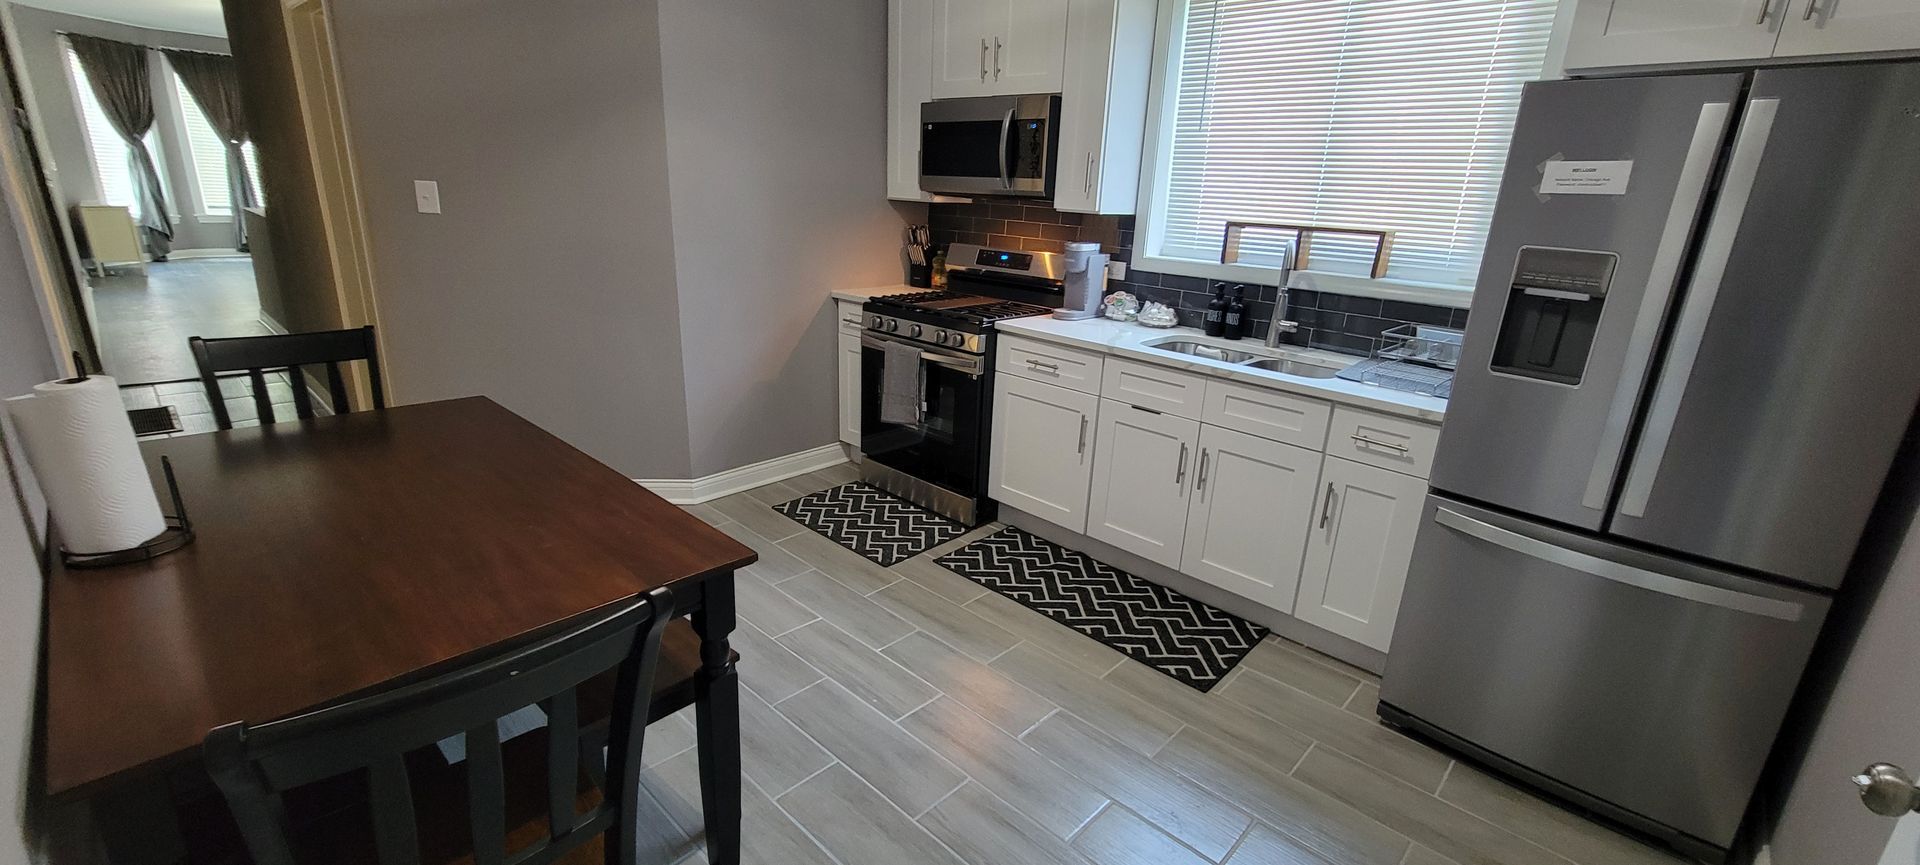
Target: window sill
(1453,297)
(214,219)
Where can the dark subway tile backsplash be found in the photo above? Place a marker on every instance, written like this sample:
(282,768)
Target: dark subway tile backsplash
(1338,322)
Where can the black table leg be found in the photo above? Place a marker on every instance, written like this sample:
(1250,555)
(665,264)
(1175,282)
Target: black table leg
(717,714)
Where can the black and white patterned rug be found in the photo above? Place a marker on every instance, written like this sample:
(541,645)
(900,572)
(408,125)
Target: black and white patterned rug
(1152,624)
(882,527)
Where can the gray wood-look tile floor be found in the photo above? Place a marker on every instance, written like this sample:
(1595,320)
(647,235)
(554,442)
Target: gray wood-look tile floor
(904,715)
(145,320)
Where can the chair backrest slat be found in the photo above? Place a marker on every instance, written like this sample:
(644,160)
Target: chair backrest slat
(256,355)
(563,761)
(253,765)
(486,794)
(394,829)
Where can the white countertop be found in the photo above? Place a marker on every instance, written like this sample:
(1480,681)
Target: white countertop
(1125,339)
(861,294)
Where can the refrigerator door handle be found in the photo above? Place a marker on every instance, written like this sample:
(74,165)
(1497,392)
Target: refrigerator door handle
(1743,166)
(1688,196)
(1773,608)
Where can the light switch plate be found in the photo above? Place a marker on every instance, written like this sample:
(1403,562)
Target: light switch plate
(426,196)
(1116,270)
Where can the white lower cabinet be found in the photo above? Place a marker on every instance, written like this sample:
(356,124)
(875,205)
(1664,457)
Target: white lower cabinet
(1141,475)
(1252,508)
(1358,550)
(850,388)
(1041,457)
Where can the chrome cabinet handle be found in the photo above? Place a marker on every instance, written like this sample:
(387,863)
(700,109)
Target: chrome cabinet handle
(851,321)
(1812,6)
(1200,481)
(1766,11)
(1363,440)
(1326,510)
(983,56)
(996,58)
(1180,474)
(1049,367)
(1083,436)
(1086,186)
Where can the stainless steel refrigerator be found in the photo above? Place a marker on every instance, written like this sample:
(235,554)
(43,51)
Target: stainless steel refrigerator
(1694,351)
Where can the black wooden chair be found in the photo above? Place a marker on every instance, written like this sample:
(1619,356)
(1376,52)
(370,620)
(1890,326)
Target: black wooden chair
(258,355)
(254,765)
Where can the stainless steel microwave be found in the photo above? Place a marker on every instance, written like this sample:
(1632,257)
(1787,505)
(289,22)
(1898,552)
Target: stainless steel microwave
(990,145)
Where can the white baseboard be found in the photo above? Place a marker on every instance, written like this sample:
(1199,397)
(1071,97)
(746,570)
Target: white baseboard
(697,490)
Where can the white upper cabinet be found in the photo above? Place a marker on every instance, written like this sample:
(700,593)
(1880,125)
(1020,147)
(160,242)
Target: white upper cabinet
(1610,33)
(998,47)
(1358,550)
(1252,506)
(909,83)
(1041,458)
(1849,26)
(1142,470)
(1103,105)
(1642,32)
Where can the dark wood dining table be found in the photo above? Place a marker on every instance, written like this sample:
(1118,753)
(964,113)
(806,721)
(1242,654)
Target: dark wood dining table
(343,555)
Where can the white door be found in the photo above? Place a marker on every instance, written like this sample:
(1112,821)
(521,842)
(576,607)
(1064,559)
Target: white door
(1252,508)
(850,389)
(1358,550)
(1639,32)
(909,82)
(1849,26)
(1042,450)
(1142,471)
(963,32)
(1030,46)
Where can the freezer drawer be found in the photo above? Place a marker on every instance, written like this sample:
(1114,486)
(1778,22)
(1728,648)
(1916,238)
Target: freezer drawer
(1649,684)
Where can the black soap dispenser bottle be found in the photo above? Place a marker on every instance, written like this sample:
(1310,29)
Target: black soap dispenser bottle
(1216,321)
(1235,325)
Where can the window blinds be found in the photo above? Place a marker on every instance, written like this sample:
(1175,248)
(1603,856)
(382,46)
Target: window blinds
(1389,114)
(207,153)
(109,150)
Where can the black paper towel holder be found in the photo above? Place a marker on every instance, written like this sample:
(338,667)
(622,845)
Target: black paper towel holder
(179,533)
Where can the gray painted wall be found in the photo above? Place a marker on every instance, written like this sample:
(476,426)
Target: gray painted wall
(548,282)
(776,143)
(44,58)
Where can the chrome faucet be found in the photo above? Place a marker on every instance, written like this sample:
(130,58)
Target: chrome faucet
(1280,323)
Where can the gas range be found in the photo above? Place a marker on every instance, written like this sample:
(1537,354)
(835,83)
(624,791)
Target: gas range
(948,319)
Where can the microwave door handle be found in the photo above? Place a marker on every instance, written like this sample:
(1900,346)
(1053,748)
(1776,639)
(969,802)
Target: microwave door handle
(1006,134)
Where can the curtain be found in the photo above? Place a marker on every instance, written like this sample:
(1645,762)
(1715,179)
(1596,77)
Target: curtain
(123,83)
(214,82)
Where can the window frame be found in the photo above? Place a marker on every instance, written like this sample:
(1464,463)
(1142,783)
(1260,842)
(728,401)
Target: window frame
(1155,171)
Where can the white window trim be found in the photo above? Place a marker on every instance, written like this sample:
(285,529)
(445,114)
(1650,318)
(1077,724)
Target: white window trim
(1169,34)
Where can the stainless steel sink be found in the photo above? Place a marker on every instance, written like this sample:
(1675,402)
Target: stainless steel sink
(1205,350)
(1294,367)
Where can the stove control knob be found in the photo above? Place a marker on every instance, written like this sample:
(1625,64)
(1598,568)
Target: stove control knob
(874,322)
(939,337)
(959,340)
(892,325)
(913,330)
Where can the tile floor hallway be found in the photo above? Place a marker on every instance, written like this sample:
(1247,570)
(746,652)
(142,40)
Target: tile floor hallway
(905,715)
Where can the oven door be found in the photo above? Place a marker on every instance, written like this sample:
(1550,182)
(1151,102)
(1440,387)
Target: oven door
(947,447)
(1000,145)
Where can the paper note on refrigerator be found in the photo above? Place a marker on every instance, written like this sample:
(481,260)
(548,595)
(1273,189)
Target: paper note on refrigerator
(1585,178)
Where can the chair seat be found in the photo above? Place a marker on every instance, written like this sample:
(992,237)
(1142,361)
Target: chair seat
(332,816)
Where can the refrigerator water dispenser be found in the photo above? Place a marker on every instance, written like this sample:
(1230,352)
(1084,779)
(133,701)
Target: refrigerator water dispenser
(1552,313)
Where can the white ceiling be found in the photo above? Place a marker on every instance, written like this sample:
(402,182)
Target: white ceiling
(183,16)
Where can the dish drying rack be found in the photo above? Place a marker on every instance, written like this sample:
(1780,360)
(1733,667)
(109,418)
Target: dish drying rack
(1416,358)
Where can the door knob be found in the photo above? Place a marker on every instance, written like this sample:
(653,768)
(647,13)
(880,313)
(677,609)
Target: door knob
(1887,790)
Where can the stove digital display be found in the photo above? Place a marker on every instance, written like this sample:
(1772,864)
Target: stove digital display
(1002,258)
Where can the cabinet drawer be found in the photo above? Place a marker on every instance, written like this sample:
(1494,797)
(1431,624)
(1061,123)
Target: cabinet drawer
(851,319)
(1053,364)
(1158,388)
(1399,444)
(1268,414)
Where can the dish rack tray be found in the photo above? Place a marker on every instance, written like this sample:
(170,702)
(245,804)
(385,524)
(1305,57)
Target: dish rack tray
(1415,358)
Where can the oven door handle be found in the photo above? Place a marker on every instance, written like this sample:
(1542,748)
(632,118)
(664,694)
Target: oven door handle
(968,364)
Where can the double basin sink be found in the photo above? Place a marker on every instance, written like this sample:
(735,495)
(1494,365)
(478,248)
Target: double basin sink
(1277,360)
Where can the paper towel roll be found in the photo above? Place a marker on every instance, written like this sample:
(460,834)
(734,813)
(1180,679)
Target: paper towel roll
(83,452)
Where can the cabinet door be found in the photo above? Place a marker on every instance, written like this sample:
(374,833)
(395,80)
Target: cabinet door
(1042,453)
(909,82)
(1142,470)
(850,389)
(1359,549)
(1639,32)
(1252,508)
(1029,45)
(1103,106)
(963,32)
(1849,26)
